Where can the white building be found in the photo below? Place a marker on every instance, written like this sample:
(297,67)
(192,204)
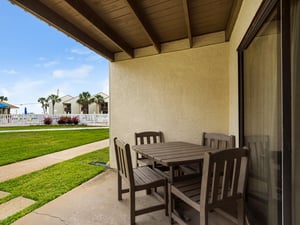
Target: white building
(69,105)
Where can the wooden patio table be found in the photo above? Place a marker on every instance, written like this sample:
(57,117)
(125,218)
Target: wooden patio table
(172,154)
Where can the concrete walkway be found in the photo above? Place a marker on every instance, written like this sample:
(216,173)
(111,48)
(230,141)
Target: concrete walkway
(27,166)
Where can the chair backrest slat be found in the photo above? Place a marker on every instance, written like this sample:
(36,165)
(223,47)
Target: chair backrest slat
(124,163)
(219,141)
(235,176)
(148,137)
(227,188)
(224,177)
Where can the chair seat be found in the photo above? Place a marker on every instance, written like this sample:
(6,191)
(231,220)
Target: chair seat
(145,177)
(189,190)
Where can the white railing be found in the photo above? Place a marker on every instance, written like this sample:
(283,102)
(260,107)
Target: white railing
(38,119)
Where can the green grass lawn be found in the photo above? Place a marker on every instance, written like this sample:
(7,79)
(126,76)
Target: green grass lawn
(18,146)
(41,127)
(51,182)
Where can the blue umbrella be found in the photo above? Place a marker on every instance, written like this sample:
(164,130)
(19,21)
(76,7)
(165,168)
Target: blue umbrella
(25,111)
(3,106)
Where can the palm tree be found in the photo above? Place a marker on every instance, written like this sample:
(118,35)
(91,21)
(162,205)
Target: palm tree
(99,100)
(53,99)
(45,104)
(84,100)
(3,98)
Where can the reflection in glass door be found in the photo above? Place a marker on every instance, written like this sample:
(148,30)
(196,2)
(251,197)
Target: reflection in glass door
(262,122)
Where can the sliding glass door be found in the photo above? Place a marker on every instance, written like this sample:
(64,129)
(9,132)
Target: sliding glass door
(262,122)
(295,57)
(264,105)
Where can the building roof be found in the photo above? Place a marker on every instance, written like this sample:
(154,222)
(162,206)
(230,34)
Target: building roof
(124,29)
(72,99)
(5,105)
(66,98)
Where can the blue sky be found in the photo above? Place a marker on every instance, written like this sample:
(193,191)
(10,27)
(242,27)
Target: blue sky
(36,60)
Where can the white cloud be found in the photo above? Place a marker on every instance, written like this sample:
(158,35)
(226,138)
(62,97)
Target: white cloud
(8,71)
(24,86)
(95,57)
(4,92)
(22,91)
(47,64)
(104,86)
(50,63)
(80,72)
(80,51)
(70,58)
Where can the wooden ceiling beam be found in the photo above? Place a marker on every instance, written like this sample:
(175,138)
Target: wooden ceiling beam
(46,14)
(84,9)
(187,21)
(137,12)
(235,9)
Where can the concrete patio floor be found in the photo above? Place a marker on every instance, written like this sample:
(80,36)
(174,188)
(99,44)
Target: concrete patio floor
(95,202)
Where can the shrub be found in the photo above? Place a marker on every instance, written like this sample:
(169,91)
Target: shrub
(68,120)
(75,120)
(62,120)
(47,120)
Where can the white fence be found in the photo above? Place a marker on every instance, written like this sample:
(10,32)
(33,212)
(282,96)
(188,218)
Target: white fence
(38,119)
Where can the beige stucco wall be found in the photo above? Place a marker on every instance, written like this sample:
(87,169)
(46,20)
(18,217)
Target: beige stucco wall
(181,93)
(246,15)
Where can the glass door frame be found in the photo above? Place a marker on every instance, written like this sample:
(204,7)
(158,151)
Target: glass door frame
(264,11)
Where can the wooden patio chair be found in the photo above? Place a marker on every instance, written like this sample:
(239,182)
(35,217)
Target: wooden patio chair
(138,179)
(213,140)
(221,185)
(147,137)
(218,140)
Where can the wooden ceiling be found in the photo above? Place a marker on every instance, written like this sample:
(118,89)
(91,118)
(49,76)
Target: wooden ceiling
(122,29)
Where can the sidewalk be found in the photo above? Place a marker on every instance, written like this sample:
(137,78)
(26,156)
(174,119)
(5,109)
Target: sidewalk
(27,166)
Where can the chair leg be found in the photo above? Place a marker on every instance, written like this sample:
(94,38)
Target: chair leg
(132,207)
(148,191)
(170,204)
(166,195)
(241,212)
(136,158)
(119,187)
(204,217)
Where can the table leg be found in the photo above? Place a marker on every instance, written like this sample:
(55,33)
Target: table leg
(171,174)
(181,215)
